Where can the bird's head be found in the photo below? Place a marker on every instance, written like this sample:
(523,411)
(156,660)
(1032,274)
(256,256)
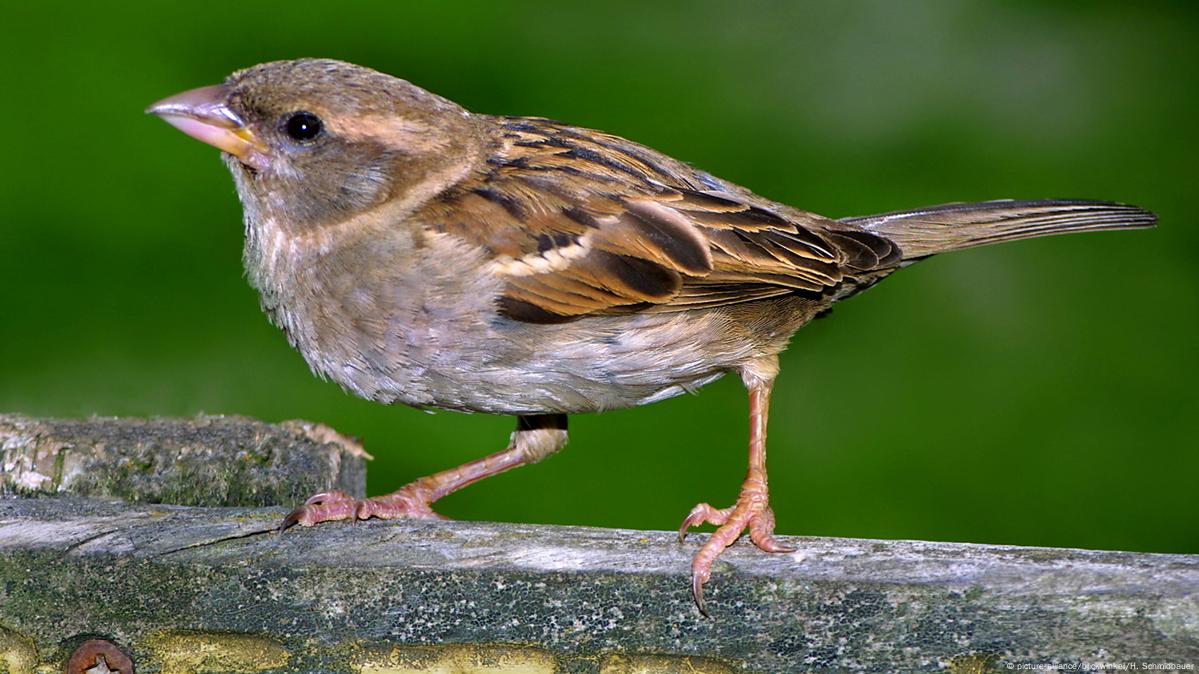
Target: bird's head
(315,141)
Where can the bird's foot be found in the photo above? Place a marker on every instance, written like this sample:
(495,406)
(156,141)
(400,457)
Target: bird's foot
(409,502)
(752,511)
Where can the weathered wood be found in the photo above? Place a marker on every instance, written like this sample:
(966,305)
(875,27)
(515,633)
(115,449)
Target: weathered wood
(204,460)
(194,589)
(188,589)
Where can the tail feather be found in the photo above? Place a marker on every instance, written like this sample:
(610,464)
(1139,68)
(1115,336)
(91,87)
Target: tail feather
(939,229)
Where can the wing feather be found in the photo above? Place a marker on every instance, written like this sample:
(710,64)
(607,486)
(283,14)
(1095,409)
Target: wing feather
(580,223)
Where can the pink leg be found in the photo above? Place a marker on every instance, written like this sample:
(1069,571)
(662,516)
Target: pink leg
(752,509)
(535,438)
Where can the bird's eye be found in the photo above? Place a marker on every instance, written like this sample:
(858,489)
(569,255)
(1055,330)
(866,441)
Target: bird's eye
(303,126)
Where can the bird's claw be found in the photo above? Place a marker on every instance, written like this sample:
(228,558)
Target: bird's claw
(406,503)
(703,514)
(323,507)
(751,512)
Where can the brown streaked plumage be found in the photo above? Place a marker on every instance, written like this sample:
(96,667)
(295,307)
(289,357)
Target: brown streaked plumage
(605,226)
(417,253)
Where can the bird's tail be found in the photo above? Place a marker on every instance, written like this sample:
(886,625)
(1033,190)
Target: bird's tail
(940,229)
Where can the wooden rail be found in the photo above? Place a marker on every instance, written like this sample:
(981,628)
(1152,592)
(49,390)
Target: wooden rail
(204,589)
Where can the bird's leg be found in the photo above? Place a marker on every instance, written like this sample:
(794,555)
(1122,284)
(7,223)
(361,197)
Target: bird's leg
(535,438)
(752,509)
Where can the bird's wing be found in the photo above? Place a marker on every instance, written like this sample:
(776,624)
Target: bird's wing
(581,223)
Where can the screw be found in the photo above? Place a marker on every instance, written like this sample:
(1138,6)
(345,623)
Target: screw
(98,656)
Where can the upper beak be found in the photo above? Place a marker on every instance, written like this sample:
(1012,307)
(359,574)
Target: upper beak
(204,115)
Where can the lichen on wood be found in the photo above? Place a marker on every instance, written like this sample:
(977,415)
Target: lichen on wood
(354,598)
(203,460)
(187,588)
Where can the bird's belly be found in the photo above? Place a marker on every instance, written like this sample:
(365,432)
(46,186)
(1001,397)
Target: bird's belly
(426,333)
(589,365)
(505,367)
(477,361)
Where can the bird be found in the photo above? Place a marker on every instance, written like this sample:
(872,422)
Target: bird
(417,253)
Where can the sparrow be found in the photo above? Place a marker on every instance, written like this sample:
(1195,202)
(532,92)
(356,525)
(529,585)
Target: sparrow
(417,253)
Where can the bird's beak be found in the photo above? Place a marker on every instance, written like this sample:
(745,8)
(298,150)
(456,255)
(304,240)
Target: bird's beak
(204,115)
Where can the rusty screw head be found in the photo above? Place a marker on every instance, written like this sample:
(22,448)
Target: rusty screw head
(98,656)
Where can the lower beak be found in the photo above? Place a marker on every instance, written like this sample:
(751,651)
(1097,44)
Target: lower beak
(204,115)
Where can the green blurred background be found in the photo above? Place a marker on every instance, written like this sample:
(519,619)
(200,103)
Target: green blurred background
(1035,393)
